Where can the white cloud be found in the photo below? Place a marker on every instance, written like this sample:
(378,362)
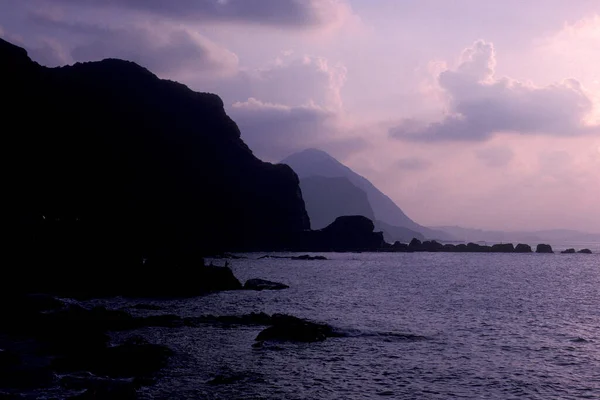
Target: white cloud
(481,104)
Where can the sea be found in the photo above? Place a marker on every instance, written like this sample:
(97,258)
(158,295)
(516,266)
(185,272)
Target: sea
(414,326)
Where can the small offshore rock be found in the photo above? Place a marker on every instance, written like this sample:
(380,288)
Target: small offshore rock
(308,257)
(568,251)
(523,248)
(544,248)
(286,328)
(585,251)
(262,284)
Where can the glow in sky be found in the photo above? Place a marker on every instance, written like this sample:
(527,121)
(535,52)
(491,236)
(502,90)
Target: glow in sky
(474,113)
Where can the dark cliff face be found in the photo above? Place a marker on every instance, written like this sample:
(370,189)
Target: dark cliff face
(109,151)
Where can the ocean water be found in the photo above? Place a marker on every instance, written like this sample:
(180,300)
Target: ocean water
(417,326)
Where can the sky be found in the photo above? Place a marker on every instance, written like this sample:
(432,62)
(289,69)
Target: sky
(483,114)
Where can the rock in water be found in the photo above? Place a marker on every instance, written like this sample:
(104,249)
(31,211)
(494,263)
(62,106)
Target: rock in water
(291,329)
(568,251)
(503,248)
(585,251)
(523,248)
(544,248)
(308,257)
(261,284)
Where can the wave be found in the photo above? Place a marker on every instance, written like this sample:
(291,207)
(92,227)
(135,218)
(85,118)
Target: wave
(384,335)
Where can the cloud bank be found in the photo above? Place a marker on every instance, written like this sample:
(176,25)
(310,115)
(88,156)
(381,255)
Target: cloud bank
(481,104)
(274,13)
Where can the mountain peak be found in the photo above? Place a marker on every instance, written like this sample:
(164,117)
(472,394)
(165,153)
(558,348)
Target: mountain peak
(313,162)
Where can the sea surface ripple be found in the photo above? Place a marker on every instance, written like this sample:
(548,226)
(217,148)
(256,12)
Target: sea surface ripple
(416,325)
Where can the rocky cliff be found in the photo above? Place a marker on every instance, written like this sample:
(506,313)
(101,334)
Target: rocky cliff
(104,157)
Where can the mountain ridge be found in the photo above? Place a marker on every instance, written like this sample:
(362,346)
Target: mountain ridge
(314,162)
(117,158)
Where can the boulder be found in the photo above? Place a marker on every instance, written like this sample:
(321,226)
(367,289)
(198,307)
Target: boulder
(397,246)
(432,246)
(415,244)
(461,248)
(450,248)
(585,251)
(286,328)
(544,248)
(568,251)
(347,233)
(477,248)
(523,248)
(262,284)
(503,248)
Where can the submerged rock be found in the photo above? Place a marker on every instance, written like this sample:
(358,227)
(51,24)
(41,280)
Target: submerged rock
(286,328)
(308,257)
(262,284)
(544,248)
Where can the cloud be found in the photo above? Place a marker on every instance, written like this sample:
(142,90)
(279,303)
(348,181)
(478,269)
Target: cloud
(290,79)
(495,157)
(413,164)
(481,104)
(49,53)
(163,48)
(277,13)
(274,130)
(172,51)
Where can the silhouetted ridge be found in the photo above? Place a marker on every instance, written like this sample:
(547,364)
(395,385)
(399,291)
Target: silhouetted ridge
(313,162)
(328,198)
(105,159)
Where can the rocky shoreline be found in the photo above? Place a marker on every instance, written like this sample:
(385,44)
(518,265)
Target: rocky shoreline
(433,246)
(51,345)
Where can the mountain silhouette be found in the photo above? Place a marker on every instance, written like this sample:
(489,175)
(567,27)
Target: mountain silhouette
(105,157)
(313,162)
(328,198)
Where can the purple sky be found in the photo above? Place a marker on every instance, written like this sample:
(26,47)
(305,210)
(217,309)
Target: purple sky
(474,113)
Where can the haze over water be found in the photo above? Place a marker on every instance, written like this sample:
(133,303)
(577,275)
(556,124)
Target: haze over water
(417,325)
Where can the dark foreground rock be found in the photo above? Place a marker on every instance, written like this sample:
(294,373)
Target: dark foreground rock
(42,338)
(544,248)
(585,251)
(286,328)
(262,284)
(568,251)
(347,233)
(99,388)
(90,201)
(134,358)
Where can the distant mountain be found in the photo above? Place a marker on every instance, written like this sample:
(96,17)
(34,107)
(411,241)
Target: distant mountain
(329,198)
(313,162)
(551,236)
(393,233)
